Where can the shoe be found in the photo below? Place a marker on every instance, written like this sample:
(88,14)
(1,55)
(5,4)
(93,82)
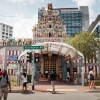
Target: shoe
(54,92)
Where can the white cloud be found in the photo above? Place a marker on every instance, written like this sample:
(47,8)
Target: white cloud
(23,27)
(23,1)
(89,3)
(85,2)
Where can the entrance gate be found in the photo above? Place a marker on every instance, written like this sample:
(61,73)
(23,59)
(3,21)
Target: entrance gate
(63,50)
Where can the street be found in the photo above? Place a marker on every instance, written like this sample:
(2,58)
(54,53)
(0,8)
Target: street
(75,95)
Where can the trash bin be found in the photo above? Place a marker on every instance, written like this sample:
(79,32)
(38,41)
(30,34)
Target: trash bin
(29,78)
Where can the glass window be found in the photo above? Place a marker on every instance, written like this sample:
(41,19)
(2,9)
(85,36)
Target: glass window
(3,32)
(3,26)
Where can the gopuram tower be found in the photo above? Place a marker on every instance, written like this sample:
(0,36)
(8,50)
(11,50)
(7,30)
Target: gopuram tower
(49,27)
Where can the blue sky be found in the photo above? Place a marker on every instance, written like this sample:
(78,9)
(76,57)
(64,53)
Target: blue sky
(22,14)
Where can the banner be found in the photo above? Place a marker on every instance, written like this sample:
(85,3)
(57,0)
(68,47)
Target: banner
(12,58)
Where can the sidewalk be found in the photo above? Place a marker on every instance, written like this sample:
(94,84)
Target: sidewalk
(58,87)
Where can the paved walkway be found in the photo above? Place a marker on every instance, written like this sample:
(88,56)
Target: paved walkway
(61,86)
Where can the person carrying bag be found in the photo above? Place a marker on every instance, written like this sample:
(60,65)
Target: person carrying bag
(4,86)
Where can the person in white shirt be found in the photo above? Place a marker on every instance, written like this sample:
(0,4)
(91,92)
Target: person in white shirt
(92,83)
(24,78)
(46,73)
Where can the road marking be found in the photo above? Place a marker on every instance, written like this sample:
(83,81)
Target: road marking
(63,89)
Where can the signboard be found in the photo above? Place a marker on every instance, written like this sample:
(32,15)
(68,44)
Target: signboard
(12,58)
(33,47)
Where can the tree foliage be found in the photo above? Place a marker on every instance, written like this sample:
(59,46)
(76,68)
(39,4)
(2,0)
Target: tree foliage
(85,43)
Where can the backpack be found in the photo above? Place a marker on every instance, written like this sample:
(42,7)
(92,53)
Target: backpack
(3,82)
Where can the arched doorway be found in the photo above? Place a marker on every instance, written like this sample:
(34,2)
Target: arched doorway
(53,57)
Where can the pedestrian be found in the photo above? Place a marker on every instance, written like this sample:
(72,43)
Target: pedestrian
(46,73)
(9,84)
(24,78)
(3,86)
(0,73)
(92,83)
(53,76)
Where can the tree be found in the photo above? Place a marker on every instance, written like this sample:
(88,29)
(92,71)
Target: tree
(86,44)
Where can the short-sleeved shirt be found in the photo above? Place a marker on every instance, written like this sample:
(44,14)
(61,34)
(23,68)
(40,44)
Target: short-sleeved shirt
(53,76)
(24,79)
(0,73)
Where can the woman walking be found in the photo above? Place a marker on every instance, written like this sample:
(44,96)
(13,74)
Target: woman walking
(24,78)
(91,73)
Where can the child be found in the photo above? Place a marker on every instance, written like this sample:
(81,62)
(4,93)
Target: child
(24,78)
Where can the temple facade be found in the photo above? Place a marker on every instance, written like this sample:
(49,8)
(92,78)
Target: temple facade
(49,27)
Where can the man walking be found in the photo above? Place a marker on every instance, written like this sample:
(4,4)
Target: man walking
(9,84)
(3,86)
(53,76)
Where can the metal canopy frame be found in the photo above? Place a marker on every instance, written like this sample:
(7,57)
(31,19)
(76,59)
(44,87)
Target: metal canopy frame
(56,48)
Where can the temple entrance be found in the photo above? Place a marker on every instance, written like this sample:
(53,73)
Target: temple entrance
(50,63)
(56,56)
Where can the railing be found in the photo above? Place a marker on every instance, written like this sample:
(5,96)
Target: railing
(13,80)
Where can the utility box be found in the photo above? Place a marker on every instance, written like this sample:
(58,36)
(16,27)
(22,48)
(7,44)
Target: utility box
(29,77)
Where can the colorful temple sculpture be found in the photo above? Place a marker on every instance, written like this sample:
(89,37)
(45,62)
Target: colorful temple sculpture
(49,27)
(16,42)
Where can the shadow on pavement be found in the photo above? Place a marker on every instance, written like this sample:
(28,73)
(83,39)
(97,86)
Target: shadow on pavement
(93,91)
(58,93)
(20,91)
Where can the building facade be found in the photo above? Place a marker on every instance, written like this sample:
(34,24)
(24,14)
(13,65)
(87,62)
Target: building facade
(9,53)
(74,19)
(95,27)
(6,31)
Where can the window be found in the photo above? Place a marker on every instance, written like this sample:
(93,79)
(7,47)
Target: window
(11,28)
(50,34)
(49,26)
(6,33)
(10,34)
(3,26)
(3,33)
(49,19)
(7,27)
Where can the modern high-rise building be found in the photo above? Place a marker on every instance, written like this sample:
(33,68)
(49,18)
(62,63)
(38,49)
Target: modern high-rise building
(75,19)
(6,31)
(95,27)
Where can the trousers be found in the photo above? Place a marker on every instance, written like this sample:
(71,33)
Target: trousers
(53,85)
(4,93)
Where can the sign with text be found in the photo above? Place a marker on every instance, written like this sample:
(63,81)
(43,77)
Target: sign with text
(33,47)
